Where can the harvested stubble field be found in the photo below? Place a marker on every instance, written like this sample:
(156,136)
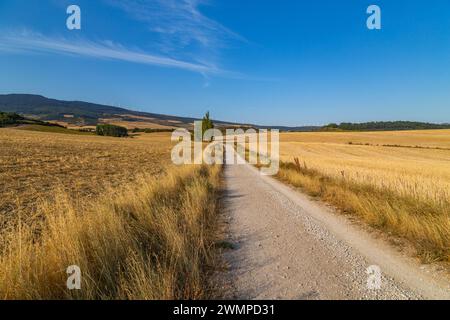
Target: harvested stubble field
(395,181)
(33,164)
(138,227)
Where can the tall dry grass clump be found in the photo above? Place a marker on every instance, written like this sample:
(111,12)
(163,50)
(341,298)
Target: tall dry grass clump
(423,221)
(149,240)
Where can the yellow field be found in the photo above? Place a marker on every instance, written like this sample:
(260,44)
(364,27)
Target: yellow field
(421,173)
(424,138)
(136,124)
(33,164)
(138,227)
(397,181)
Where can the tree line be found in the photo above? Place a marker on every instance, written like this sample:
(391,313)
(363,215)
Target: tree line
(384,126)
(111,130)
(13,119)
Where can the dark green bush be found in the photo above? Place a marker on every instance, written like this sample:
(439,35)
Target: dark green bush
(7,118)
(151,130)
(111,130)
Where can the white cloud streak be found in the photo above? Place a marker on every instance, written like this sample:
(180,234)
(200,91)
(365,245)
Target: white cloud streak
(32,42)
(186,38)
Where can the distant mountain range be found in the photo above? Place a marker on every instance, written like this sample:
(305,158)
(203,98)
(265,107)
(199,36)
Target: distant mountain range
(82,114)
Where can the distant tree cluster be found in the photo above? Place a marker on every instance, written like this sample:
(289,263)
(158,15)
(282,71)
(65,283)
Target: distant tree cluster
(384,126)
(12,119)
(151,130)
(8,118)
(111,130)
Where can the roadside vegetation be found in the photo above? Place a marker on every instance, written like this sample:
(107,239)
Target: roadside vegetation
(402,191)
(206,123)
(137,227)
(152,239)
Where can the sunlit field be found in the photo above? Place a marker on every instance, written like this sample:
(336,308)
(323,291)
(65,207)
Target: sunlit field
(422,138)
(33,164)
(396,181)
(138,227)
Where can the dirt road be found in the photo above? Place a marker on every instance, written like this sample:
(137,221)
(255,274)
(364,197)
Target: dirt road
(287,246)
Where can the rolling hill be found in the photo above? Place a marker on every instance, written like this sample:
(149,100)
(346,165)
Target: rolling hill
(80,113)
(85,114)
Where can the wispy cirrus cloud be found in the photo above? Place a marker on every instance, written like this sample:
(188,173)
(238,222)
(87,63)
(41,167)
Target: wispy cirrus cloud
(27,41)
(180,23)
(186,39)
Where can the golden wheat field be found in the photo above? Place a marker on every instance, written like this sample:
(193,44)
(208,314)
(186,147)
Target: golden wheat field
(423,173)
(138,227)
(396,181)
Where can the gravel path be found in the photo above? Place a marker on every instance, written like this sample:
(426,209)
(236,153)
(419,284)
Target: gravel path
(289,247)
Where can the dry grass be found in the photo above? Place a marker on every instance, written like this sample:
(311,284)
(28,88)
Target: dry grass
(151,240)
(137,227)
(33,164)
(48,129)
(137,124)
(424,138)
(402,190)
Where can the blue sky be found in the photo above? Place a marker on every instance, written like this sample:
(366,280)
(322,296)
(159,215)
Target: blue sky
(266,62)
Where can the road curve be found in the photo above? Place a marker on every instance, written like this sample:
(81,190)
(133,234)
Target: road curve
(287,246)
